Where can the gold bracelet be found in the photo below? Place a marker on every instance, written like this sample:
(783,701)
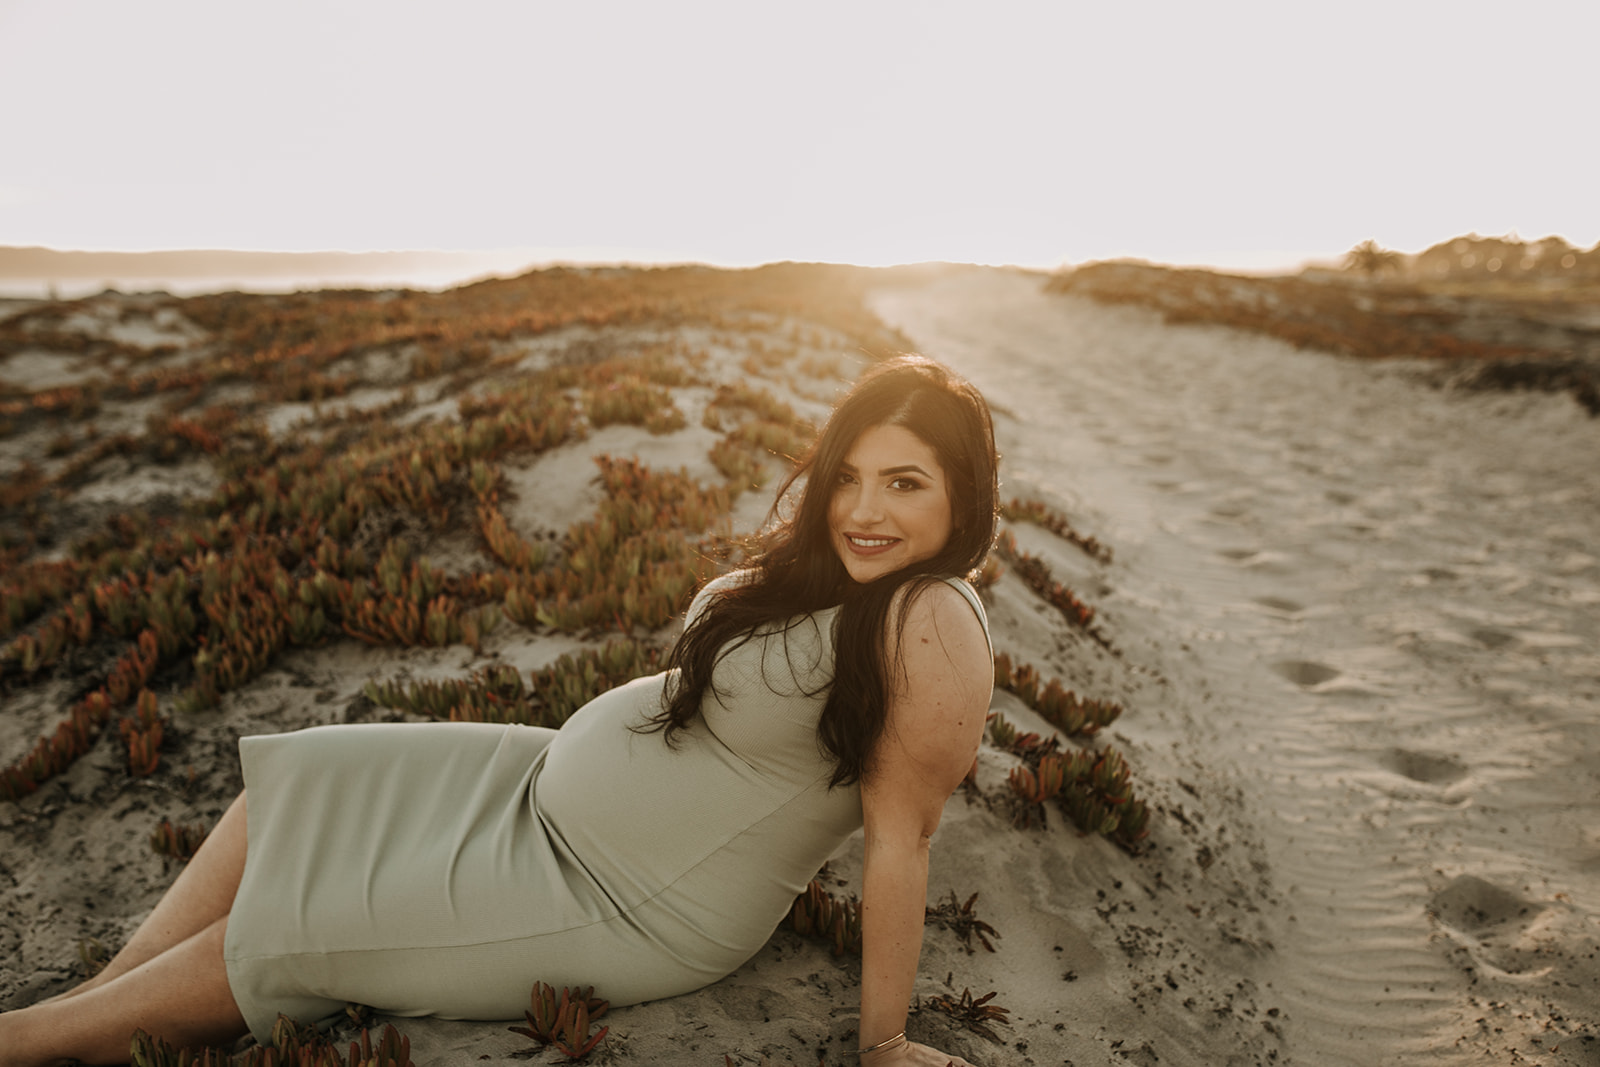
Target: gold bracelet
(894,1042)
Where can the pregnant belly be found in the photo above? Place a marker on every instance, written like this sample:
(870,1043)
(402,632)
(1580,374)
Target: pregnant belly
(637,813)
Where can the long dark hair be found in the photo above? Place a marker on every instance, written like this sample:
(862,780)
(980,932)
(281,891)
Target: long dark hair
(797,571)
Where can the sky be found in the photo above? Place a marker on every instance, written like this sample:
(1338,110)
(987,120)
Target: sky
(1236,134)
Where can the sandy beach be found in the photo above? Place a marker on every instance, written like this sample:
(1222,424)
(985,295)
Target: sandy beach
(1351,615)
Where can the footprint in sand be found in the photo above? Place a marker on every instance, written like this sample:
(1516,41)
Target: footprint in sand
(1424,767)
(1263,561)
(1305,673)
(1489,637)
(1280,605)
(1496,927)
(1471,905)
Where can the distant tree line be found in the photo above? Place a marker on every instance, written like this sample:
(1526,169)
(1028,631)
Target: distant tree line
(1478,259)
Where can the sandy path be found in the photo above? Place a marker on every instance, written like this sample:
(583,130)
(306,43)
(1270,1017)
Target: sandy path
(1379,605)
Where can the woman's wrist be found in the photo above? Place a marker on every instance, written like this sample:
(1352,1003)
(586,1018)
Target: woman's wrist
(883,1051)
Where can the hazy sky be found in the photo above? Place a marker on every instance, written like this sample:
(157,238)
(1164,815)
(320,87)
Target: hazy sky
(1229,133)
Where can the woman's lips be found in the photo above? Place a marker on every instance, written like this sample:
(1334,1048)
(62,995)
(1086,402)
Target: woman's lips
(862,545)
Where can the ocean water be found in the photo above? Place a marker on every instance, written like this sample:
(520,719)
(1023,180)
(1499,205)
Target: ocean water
(41,274)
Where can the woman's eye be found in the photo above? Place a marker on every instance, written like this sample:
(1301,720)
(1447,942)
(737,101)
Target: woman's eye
(905,483)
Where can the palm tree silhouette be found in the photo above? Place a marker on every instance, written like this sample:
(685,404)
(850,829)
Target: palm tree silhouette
(1371,259)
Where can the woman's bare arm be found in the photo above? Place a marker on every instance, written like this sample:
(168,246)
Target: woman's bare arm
(936,717)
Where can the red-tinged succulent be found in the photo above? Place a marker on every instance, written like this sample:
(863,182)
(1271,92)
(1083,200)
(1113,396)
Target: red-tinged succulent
(54,754)
(1040,514)
(959,918)
(1036,573)
(836,920)
(628,398)
(977,1015)
(177,841)
(484,478)
(1092,789)
(564,1019)
(1038,786)
(120,605)
(292,1046)
(498,693)
(144,745)
(1058,705)
(506,545)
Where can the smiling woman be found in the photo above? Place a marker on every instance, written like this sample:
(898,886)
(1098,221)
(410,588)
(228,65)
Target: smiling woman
(899,491)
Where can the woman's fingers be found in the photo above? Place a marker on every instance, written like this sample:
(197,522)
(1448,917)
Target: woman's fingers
(926,1056)
(912,1054)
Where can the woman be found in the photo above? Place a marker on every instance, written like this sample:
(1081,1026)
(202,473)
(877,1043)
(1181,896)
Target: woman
(651,845)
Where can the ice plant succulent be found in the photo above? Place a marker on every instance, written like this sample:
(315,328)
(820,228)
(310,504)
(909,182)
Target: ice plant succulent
(977,1015)
(1040,514)
(1036,573)
(177,841)
(292,1046)
(959,918)
(564,1019)
(1057,705)
(836,920)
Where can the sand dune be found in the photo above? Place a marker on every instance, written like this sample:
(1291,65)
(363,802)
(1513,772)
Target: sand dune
(1352,619)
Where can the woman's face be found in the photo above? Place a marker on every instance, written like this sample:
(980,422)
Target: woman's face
(891,506)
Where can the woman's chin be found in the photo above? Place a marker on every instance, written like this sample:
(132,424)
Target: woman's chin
(863,571)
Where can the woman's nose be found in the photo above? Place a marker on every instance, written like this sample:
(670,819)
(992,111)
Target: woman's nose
(868,506)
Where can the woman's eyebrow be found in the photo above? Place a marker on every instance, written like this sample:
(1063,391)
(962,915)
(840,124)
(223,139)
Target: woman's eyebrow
(909,468)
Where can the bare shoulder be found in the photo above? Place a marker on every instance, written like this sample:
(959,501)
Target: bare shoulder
(943,677)
(940,631)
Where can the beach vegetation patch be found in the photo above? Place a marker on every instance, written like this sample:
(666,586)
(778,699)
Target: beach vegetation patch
(1038,577)
(498,693)
(978,1014)
(563,1020)
(828,917)
(302,1046)
(756,426)
(1042,515)
(1056,704)
(177,841)
(959,918)
(1092,789)
(632,563)
(1513,313)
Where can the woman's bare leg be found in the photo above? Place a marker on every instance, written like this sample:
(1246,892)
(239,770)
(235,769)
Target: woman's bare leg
(202,893)
(181,995)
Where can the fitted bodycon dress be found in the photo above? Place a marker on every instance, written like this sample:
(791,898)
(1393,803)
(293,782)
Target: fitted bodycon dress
(444,868)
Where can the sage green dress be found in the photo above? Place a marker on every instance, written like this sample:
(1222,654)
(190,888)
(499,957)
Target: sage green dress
(444,868)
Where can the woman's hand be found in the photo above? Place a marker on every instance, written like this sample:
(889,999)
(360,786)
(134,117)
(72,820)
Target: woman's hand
(911,1054)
